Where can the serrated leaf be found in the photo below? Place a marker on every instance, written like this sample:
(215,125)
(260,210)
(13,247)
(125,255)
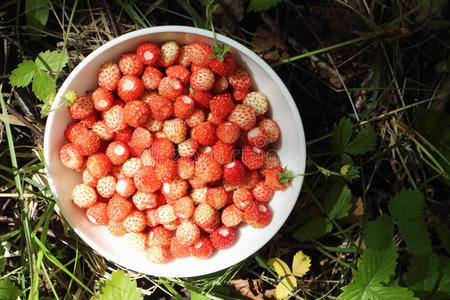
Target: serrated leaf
(43,84)
(415,234)
(341,135)
(280,267)
(406,204)
(313,230)
(259,5)
(8,290)
(422,272)
(53,61)
(300,264)
(339,201)
(286,286)
(23,74)
(120,287)
(364,142)
(379,232)
(37,15)
(354,291)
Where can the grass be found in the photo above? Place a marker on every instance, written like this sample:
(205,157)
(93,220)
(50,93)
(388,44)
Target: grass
(375,54)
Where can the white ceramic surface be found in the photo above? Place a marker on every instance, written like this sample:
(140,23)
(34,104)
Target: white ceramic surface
(291,149)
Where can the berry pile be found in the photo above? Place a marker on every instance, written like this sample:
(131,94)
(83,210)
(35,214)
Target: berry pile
(173,147)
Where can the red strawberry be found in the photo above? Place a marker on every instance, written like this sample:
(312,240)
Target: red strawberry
(221,105)
(177,250)
(130,88)
(146,180)
(106,186)
(220,85)
(136,113)
(201,99)
(185,167)
(253,157)
(102,99)
(134,222)
(161,107)
(231,216)
(131,166)
(151,78)
(102,131)
(202,79)
(198,195)
(108,75)
(278,179)
(257,215)
(204,215)
(116,228)
(239,95)
(184,207)
(174,190)
(217,197)
(157,255)
(115,119)
(89,120)
(187,233)
(151,216)
(71,157)
(140,140)
(240,80)
(223,153)
(159,236)
(84,196)
(244,116)
(130,64)
(228,132)
(125,187)
(242,198)
(175,130)
(183,59)
(234,172)
(98,165)
(196,118)
(223,237)
(135,240)
(258,101)
(81,108)
(262,192)
(144,201)
(225,67)
(118,208)
(202,248)
(170,87)
(258,137)
(199,53)
(183,107)
(166,214)
(207,168)
(271,128)
(88,179)
(117,152)
(169,54)
(215,119)
(96,214)
(204,133)
(166,170)
(148,53)
(180,72)
(123,135)
(162,149)
(214,225)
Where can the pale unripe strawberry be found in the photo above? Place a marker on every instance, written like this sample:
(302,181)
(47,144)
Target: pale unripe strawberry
(134,222)
(144,201)
(258,101)
(135,240)
(231,216)
(202,79)
(175,130)
(187,148)
(169,54)
(244,116)
(125,187)
(106,186)
(84,196)
(271,128)
(166,214)
(187,233)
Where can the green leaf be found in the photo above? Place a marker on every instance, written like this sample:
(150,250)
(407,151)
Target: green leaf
(43,84)
(444,282)
(365,141)
(428,120)
(354,291)
(197,296)
(422,272)
(406,204)
(23,74)
(379,232)
(120,287)
(37,16)
(259,5)
(444,236)
(338,202)
(53,61)
(2,258)
(415,234)
(341,135)
(313,230)
(8,290)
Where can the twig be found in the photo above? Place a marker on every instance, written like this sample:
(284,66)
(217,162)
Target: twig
(115,27)
(14,112)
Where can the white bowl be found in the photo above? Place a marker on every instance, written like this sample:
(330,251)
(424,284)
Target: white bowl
(291,149)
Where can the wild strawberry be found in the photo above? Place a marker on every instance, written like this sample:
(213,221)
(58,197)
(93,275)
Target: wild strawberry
(231,216)
(244,116)
(89,179)
(148,53)
(214,119)
(73,128)
(183,58)
(162,149)
(177,250)
(157,255)
(234,172)
(160,134)
(154,125)
(205,150)
(144,201)
(96,214)
(198,195)
(140,140)
(183,208)
(106,186)
(102,131)
(131,166)
(257,215)
(239,95)
(223,153)
(223,237)
(98,165)
(225,67)
(130,64)
(136,113)
(180,72)
(272,160)
(204,133)
(151,216)
(117,152)
(188,148)
(130,88)
(125,187)
(240,80)
(116,228)
(170,87)
(166,170)
(134,222)
(84,196)
(70,156)
(228,132)
(199,53)
(169,54)
(108,75)
(204,215)
(196,118)
(174,190)
(217,197)
(166,214)
(262,192)
(202,248)
(135,240)
(151,78)
(278,179)
(271,128)
(147,159)
(253,157)
(221,105)
(81,108)
(183,107)
(214,225)
(161,107)
(175,130)
(146,180)
(118,208)
(102,99)
(159,236)
(207,168)
(123,135)
(201,98)
(202,79)
(242,198)
(185,167)
(115,118)
(172,226)
(258,137)
(258,101)
(187,233)
(220,85)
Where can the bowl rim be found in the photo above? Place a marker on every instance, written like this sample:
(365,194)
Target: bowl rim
(185,30)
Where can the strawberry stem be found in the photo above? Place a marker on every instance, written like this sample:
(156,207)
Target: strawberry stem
(219,49)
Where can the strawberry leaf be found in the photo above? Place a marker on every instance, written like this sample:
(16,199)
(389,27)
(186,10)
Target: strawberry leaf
(406,204)
(43,84)
(313,230)
(379,232)
(341,135)
(354,291)
(339,201)
(8,290)
(23,74)
(120,286)
(423,272)
(416,236)
(37,15)
(259,5)
(53,61)
(364,142)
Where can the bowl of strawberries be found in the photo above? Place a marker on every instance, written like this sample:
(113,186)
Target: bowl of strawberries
(176,152)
